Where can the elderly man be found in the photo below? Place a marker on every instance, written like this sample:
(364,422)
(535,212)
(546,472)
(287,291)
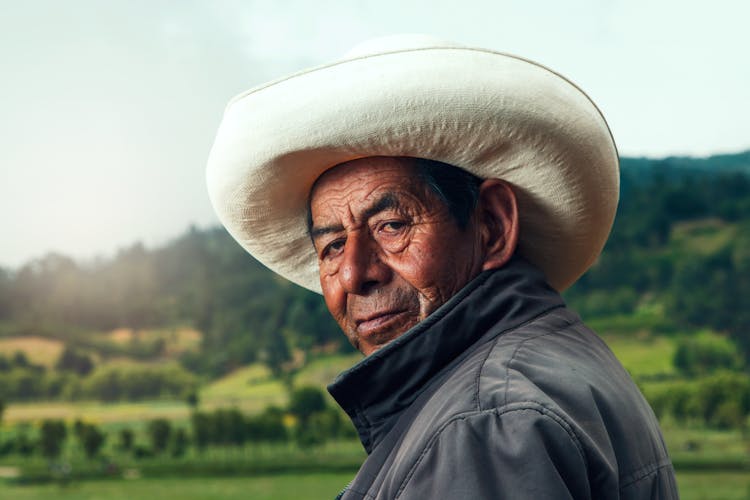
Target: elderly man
(449,193)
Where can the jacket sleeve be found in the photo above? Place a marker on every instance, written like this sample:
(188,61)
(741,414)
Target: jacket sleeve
(522,453)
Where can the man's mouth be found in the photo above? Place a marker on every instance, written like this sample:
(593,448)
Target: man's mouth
(376,323)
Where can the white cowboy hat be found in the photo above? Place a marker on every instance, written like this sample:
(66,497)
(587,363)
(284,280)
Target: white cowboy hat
(493,114)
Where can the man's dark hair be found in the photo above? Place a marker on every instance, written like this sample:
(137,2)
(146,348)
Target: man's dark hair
(455,187)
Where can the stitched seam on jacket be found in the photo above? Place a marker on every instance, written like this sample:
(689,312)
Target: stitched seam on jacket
(644,472)
(365,494)
(567,324)
(478,378)
(499,412)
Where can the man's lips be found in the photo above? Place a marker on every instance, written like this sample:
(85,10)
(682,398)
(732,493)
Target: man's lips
(373,323)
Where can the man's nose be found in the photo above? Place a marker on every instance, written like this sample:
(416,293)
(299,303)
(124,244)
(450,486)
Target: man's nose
(362,269)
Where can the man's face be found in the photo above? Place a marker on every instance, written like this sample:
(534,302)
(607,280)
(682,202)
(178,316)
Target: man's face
(389,251)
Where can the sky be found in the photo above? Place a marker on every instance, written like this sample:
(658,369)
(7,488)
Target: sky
(108,109)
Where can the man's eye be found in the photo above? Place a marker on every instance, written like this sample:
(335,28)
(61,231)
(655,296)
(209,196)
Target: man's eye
(392,226)
(333,248)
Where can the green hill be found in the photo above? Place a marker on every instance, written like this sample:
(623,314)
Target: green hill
(680,245)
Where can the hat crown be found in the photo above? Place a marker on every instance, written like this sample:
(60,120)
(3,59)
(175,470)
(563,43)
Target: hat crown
(397,43)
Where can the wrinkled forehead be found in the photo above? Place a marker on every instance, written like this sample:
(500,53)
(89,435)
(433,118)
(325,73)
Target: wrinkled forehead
(355,181)
(358,177)
(364,170)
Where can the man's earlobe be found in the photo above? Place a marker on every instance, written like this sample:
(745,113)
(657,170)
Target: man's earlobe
(498,219)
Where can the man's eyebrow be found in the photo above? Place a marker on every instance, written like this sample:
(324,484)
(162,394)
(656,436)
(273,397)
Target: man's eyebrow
(317,232)
(385,202)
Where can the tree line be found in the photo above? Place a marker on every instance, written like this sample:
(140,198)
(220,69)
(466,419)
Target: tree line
(307,421)
(74,378)
(247,314)
(681,240)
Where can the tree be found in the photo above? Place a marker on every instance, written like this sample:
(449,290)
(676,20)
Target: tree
(23,444)
(277,353)
(53,433)
(267,426)
(229,427)
(319,427)
(20,360)
(72,361)
(180,442)
(192,399)
(306,401)
(127,438)
(92,440)
(201,423)
(159,430)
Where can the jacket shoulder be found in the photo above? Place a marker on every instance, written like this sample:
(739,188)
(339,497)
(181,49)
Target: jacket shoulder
(557,362)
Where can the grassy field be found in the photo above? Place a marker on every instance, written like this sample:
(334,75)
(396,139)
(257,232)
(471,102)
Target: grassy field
(96,412)
(705,236)
(176,340)
(38,350)
(644,355)
(693,486)
(699,453)
(714,485)
(277,487)
(251,389)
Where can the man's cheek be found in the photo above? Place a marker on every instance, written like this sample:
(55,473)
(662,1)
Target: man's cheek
(333,299)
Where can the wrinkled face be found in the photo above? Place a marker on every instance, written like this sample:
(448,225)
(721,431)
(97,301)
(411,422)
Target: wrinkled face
(389,251)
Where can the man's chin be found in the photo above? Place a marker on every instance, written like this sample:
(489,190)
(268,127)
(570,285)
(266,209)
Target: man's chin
(368,349)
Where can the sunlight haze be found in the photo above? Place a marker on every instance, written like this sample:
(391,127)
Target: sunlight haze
(108,109)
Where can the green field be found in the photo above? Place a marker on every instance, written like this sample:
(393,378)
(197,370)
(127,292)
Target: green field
(714,485)
(643,355)
(711,463)
(278,487)
(693,486)
(251,389)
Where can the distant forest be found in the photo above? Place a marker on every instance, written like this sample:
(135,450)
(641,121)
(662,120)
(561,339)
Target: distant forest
(680,245)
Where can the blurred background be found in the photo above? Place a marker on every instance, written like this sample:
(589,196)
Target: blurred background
(140,344)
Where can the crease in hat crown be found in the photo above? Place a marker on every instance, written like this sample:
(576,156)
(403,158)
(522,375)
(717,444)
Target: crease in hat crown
(277,138)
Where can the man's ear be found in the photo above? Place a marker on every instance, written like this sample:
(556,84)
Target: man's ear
(498,222)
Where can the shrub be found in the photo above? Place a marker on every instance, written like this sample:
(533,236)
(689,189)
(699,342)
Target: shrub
(137,382)
(705,353)
(73,361)
(306,401)
(267,426)
(721,400)
(725,399)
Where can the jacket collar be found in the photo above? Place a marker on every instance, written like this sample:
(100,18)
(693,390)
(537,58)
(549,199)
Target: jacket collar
(375,391)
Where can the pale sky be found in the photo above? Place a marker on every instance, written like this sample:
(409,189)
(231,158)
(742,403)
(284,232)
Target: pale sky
(108,108)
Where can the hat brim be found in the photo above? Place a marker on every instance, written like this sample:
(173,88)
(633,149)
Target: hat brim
(495,115)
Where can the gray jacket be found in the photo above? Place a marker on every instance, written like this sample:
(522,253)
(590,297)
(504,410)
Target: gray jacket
(502,393)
